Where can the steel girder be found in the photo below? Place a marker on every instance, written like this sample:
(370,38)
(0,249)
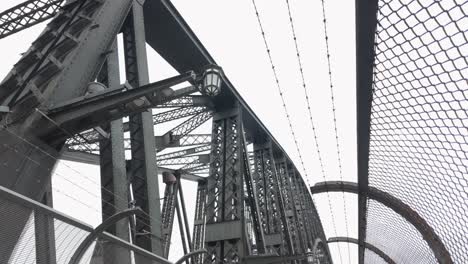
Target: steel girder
(36,81)
(177,113)
(114,182)
(185,152)
(143,174)
(366,21)
(202,158)
(268,199)
(186,101)
(199,220)
(366,245)
(286,206)
(427,232)
(27,14)
(168,212)
(226,238)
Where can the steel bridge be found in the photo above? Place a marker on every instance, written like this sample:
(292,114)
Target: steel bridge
(63,100)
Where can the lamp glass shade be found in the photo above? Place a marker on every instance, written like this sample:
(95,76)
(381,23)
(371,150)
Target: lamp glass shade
(212,82)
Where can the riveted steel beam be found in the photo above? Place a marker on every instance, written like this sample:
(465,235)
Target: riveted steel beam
(427,232)
(142,169)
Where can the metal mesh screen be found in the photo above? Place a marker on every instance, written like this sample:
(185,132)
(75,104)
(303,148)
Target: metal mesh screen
(67,240)
(36,234)
(396,237)
(419,119)
(36,237)
(371,257)
(106,251)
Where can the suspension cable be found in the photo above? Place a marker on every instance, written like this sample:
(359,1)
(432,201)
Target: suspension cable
(304,85)
(268,50)
(338,152)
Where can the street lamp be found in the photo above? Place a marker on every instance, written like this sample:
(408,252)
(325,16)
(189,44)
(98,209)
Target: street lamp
(211,84)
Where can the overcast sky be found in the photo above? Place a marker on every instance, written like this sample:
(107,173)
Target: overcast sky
(230,32)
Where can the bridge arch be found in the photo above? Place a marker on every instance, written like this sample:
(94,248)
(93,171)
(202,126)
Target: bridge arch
(432,239)
(371,247)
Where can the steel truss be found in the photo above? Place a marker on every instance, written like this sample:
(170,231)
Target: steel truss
(250,204)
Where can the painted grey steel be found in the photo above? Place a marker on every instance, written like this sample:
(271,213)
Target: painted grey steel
(92,236)
(181,226)
(371,247)
(168,212)
(114,185)
(185,152)
(226,238)
(279,172)
(110,104)
(176,114)
(427,232)
(143,168)
(28,158)
(199,220)
(265,183)
(366,21)
(170,138)
(252,202)
(184,213)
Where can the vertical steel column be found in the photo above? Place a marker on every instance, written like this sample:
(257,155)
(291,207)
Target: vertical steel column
(184,214)
(252,200)
(280,172)
(297,227)
(45,231)
(225,226)
(143,147)
(181,227)
(366,23)
(168,211)
(299,200)
(114,191)
(269,212)
(199,221)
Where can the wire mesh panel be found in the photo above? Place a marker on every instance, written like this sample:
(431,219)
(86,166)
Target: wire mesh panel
(36,237)
(396,237)
(67,240)
(41,235)
(371,257)
(419,119)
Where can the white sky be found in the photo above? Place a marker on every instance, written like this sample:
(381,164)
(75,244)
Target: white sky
(230,32)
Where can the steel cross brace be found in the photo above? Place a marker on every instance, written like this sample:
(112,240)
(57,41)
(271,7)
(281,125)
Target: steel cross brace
(27,14)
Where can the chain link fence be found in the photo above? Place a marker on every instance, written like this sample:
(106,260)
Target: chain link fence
(419,120)
(392,234)
(371,257)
